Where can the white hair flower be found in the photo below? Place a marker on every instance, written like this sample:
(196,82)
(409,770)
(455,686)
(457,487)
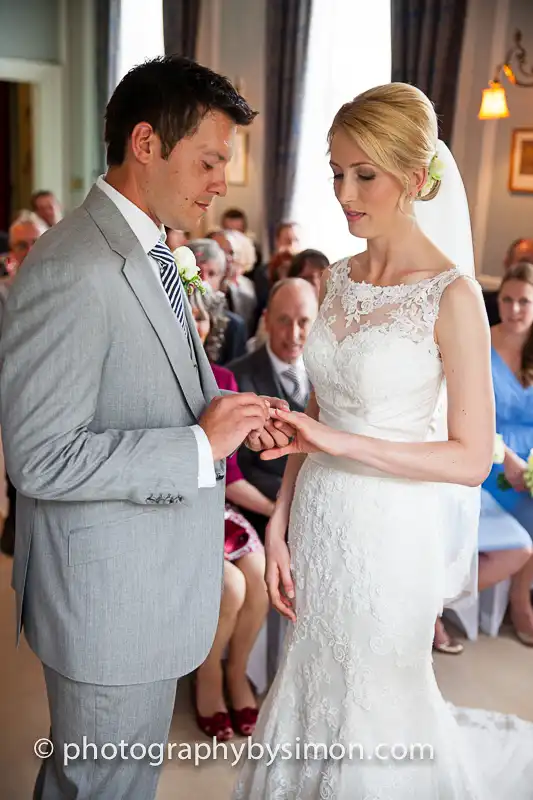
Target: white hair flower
(435,174)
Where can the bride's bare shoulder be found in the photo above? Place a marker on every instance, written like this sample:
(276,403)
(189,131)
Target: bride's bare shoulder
(461,302)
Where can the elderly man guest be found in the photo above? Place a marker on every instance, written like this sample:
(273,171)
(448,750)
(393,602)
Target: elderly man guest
(278,365)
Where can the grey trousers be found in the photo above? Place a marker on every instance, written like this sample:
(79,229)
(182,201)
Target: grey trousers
(105,715)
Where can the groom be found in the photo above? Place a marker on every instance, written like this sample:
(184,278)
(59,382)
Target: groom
(115,437)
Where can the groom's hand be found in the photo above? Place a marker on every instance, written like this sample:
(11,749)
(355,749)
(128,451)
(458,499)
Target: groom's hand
(229,419)
(272,435)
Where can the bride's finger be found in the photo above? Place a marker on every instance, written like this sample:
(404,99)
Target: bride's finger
(286,580)
(284,427)
(281,605)
(278,452)
(291,417)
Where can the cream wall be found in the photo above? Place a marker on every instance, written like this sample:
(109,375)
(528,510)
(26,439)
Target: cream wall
(232,41)
(482,148)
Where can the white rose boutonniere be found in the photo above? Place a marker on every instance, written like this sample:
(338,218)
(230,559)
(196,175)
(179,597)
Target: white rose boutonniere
(188,270)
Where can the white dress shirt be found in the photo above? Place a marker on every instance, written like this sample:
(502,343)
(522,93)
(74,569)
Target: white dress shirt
(280,367)
(149,235)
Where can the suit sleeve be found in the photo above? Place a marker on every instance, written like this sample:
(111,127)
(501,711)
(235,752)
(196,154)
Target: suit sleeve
(53,348)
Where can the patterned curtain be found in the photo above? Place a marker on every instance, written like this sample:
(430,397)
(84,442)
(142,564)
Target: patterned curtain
(427,38)
(181,20)
(288,23)
(107,46)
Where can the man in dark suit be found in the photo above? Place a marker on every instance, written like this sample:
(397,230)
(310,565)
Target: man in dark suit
(278,366)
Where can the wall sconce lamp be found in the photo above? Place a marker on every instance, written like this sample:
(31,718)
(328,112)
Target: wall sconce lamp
(494,101)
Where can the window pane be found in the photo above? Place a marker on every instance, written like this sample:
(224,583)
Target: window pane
(349,51)
(141,33)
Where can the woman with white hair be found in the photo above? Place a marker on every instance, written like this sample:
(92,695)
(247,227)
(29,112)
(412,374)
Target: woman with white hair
(212,263)
(240,290)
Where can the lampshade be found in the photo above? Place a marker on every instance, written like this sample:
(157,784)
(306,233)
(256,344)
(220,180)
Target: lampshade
(494,102)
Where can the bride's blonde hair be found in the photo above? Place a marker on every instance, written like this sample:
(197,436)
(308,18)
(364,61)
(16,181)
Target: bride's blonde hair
(397,128)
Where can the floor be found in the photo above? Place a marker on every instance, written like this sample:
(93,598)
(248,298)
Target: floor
(491,673)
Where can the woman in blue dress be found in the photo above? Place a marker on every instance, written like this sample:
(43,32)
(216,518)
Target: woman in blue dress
(512,372)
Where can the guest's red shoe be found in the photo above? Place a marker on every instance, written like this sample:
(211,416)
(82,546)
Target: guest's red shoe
(244,720)
(219,725)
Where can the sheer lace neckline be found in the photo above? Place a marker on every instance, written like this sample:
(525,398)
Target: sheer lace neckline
(368,285)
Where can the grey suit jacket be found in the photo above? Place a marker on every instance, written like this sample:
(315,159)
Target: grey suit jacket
(119,556)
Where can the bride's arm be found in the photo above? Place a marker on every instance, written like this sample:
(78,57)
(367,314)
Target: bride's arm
(463,337)
(294,465)
(296,460)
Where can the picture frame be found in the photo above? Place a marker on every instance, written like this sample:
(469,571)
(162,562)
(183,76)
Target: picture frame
(521,161)
(237,169)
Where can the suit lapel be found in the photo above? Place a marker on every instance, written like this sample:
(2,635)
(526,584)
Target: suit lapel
(140,276)
(209,384)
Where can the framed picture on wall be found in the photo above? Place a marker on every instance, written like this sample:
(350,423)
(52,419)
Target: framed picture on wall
(521,166)
(237,170)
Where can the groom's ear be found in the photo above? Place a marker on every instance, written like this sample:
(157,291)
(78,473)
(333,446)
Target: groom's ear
(144,142)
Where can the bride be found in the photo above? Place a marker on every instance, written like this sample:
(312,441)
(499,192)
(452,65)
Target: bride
(381,492)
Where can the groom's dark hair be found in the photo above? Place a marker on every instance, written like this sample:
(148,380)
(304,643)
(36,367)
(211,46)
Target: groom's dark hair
(173,94)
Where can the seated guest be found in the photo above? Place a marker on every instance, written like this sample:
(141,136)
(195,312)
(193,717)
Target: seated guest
(211,262)
(287,238)
(244,603)
(279,267)
(520,250)
(233,219)
(309,265)
(23,233)
(504,548)
(176,238)
(277,370)
(240,290)
(512,375)
(287,241)
(45,204)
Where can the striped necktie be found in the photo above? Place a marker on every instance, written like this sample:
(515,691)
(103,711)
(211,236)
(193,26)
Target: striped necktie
(292,376)
(171,281)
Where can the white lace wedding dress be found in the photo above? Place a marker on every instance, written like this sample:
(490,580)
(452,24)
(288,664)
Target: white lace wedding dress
(368,561)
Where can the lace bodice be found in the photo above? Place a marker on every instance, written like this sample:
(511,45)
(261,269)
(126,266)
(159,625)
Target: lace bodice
(372,356)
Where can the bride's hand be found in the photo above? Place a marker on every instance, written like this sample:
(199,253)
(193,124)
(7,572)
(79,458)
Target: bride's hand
(278,568)
(310,436)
